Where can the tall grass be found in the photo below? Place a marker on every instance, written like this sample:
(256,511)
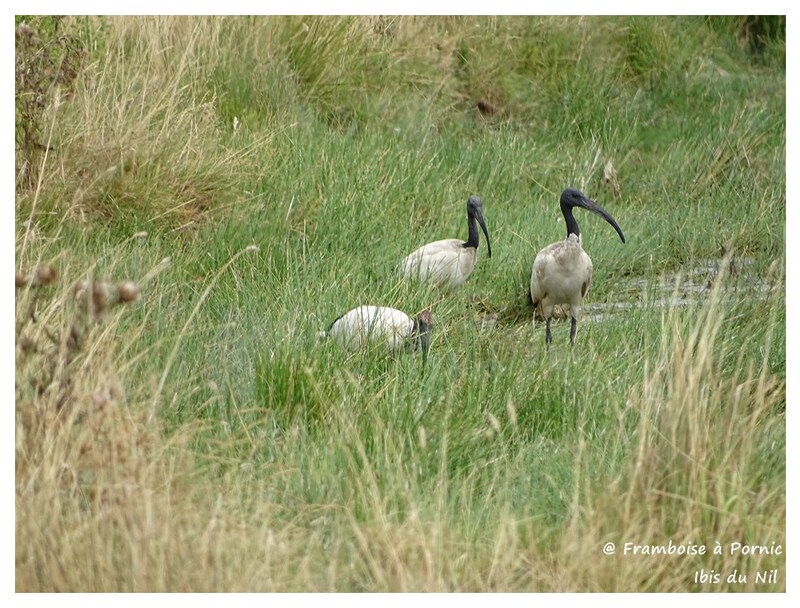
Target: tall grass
(377,501)
(202,437)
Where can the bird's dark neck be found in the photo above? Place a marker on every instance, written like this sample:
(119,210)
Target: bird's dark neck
(572,225)
(472,241)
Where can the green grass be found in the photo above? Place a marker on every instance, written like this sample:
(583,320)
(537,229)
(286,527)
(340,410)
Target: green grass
(263,459)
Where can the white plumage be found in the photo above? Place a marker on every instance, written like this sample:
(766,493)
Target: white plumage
(562,271)
(450,261)
(445,262)
(380,325)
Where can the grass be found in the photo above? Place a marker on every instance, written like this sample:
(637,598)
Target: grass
(202,438)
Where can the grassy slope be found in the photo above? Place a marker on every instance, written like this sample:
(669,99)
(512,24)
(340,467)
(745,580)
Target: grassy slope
(502,467)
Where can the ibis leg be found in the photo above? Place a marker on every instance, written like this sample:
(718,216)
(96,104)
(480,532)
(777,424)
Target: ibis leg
(573,330)
(548,337)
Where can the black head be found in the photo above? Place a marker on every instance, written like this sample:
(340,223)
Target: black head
(475,212)
(474,205)
(575,198)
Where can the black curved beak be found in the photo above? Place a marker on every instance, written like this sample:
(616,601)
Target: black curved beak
(482,222)
(425,341)
(423,324)
(591,205)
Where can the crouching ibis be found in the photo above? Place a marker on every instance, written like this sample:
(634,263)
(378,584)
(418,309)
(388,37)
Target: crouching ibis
(390,327)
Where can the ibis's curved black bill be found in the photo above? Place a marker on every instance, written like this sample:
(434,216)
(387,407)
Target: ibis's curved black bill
(475,212)
(422,332)
(575,198)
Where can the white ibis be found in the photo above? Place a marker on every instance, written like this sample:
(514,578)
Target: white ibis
(380,324)
(562,271)
(449,262)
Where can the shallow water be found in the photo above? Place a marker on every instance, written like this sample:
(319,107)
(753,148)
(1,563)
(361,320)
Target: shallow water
(686,288)
(676,289)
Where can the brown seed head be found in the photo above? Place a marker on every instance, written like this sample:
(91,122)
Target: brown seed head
(127,291)
(101,296)
(25,32)
(45,274)
(80,288)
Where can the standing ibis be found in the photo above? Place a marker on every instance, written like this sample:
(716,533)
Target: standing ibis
(562,271)
(380,324)
(449,262)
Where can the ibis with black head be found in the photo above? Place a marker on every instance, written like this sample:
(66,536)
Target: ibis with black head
(384,326)
(562,271)
(448,263)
